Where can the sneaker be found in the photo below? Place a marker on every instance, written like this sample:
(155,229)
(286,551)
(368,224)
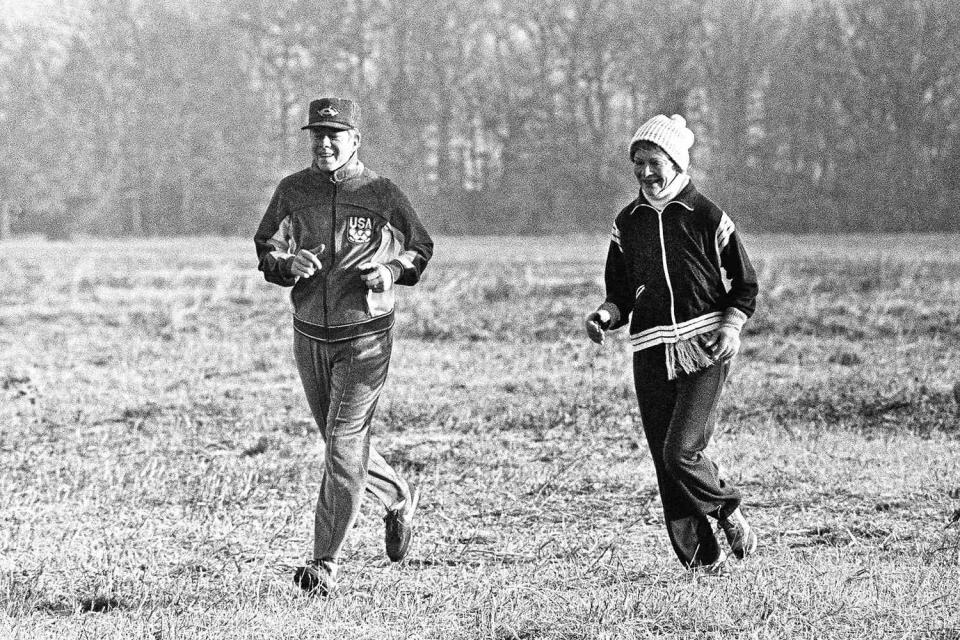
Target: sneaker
(740,535)
(316,578)
(398,524)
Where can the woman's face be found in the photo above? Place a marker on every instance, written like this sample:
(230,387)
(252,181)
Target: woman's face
(654,169)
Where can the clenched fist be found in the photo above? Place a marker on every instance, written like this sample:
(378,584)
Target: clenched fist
(376,276)
(723,343)
(306,263)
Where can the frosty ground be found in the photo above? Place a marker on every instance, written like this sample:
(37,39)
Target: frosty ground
(158,464)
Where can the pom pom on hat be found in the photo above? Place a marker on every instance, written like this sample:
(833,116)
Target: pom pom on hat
(670,134)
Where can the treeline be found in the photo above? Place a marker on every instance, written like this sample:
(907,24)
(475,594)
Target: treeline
(146,118)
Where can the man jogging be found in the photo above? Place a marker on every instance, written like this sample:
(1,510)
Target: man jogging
(342,237)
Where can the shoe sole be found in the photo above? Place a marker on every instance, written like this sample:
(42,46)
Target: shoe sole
(414,503)
(751,544)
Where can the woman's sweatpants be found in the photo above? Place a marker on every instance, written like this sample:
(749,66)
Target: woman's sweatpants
(678,418)
(343,381)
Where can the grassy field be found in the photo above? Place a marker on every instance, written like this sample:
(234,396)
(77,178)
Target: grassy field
(158,465)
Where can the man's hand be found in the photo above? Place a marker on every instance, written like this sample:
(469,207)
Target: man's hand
(594,324)
(723,343)
(306,263)
(376,276)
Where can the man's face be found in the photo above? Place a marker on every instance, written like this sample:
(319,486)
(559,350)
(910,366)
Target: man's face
(333,147)
(654,169)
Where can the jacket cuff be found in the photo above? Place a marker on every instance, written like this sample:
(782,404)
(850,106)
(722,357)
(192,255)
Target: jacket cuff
(734,318)
(396,269)
(286,267)
(279,272)
(614,312)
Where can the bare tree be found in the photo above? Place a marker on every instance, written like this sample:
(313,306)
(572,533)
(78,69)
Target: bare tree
(495,115)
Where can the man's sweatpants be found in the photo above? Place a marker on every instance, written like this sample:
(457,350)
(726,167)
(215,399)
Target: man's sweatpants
(343,381)
(678,419)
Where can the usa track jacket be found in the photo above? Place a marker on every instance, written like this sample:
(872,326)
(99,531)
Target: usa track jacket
(346,218)
(677,274)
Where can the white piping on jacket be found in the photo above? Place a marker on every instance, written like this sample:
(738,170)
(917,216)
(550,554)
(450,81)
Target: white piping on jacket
(666,274)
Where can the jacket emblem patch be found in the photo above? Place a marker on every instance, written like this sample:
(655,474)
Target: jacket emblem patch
(359,230)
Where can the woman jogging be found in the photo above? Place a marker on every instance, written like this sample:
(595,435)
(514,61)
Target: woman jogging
(677,270)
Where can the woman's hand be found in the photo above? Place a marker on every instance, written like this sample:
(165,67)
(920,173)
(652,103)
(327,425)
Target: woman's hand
(595,323)
(723,343)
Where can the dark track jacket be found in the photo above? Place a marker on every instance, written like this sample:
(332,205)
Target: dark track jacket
(346,218)
(663,270)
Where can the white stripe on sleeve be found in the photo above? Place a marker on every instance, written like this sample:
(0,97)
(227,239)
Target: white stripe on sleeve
(615,235)
(724,230)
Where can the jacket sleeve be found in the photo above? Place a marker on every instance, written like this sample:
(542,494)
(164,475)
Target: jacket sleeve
(736,263)
(275,245)
(417,244)
(619,300)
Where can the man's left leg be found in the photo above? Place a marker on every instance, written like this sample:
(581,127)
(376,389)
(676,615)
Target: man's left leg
(352,465)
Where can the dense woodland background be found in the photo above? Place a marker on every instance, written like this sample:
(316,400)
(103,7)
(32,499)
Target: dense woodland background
(510,116)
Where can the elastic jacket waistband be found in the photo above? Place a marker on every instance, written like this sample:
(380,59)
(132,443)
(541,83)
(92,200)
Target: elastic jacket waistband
(343,332)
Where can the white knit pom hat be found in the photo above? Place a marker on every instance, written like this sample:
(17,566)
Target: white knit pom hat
(670,134)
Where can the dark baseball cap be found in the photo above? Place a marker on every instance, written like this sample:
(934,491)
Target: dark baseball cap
(336,113)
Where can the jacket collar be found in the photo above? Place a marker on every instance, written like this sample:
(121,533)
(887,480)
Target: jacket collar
(351,169)
(685,198)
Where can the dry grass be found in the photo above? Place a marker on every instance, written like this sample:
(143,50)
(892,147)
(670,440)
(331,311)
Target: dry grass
(158,465)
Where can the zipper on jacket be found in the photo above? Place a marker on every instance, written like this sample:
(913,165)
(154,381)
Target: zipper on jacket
(666,272)
(333,250)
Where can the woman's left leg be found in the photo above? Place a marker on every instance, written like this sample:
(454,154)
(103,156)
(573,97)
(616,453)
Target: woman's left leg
(691,427)
(690,531)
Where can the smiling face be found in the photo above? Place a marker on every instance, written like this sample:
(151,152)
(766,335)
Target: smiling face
(332,148)
(654,168)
